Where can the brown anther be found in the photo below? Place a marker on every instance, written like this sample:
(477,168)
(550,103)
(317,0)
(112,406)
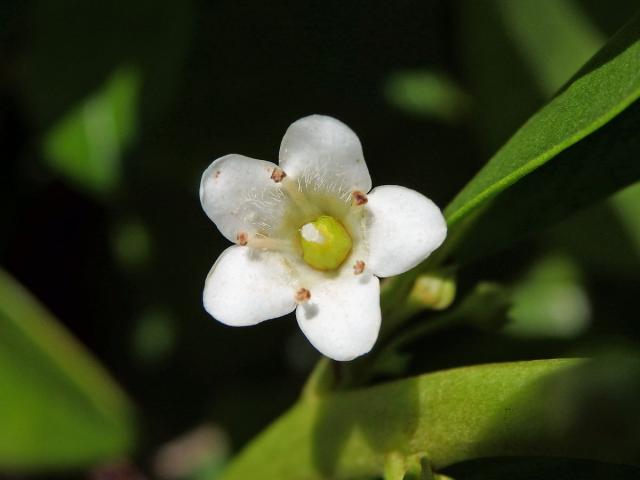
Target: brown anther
(242,238)
(302,295)
(278,175)
(358,198)
(358,267)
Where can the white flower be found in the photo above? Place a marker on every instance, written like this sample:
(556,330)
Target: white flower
(311,236)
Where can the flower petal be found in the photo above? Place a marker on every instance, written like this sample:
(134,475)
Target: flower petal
(404,227)
(238,194)
(342,318)
(325,152)
(246,286)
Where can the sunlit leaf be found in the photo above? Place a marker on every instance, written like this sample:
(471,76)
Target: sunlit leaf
(58,407)
(542,408)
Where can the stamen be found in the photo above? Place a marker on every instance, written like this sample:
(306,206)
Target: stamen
(267,243)
(302,295)
(358,198)
(293,190)
(278,175)
(242,238)
(358,267)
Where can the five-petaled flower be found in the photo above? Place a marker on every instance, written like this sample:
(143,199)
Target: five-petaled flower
(312,236)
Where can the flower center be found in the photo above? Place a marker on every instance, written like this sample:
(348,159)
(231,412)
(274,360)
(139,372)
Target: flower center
(325,243)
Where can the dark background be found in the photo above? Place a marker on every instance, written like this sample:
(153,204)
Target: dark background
(119,252)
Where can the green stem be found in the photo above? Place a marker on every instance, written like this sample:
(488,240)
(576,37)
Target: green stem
(394,467)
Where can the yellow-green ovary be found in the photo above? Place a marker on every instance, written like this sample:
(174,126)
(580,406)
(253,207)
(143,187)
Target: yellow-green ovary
(325,243)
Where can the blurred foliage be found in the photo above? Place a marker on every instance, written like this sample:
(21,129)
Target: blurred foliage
(550,301)
(605,237)
(108,115)
(86,146)
(554,37)
(132,244)
(153,338)
(58,408)
(428,93)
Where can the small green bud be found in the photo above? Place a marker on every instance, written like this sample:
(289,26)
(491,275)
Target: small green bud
(325,243)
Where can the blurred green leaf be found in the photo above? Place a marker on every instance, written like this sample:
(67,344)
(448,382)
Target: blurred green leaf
(503,89)
(428,93)
(592,115)
(554,37)
(87,145)
(627,207)
(58,407)
(550,301)
(131,243)
(485,411)
(154,336)
(605,237)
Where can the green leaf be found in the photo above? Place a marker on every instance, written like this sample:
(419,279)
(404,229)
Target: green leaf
(554,38)
(58,407)
(599,163)
(539,408)
(87,145)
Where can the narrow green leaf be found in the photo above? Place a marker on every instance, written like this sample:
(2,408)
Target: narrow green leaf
(58,407)
(587,172)
(605,87)
(542,408)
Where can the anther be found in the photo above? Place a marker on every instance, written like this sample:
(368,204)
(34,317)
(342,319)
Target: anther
(278,175)
(358,267)
(302,295)
(242,238)
(358,198)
